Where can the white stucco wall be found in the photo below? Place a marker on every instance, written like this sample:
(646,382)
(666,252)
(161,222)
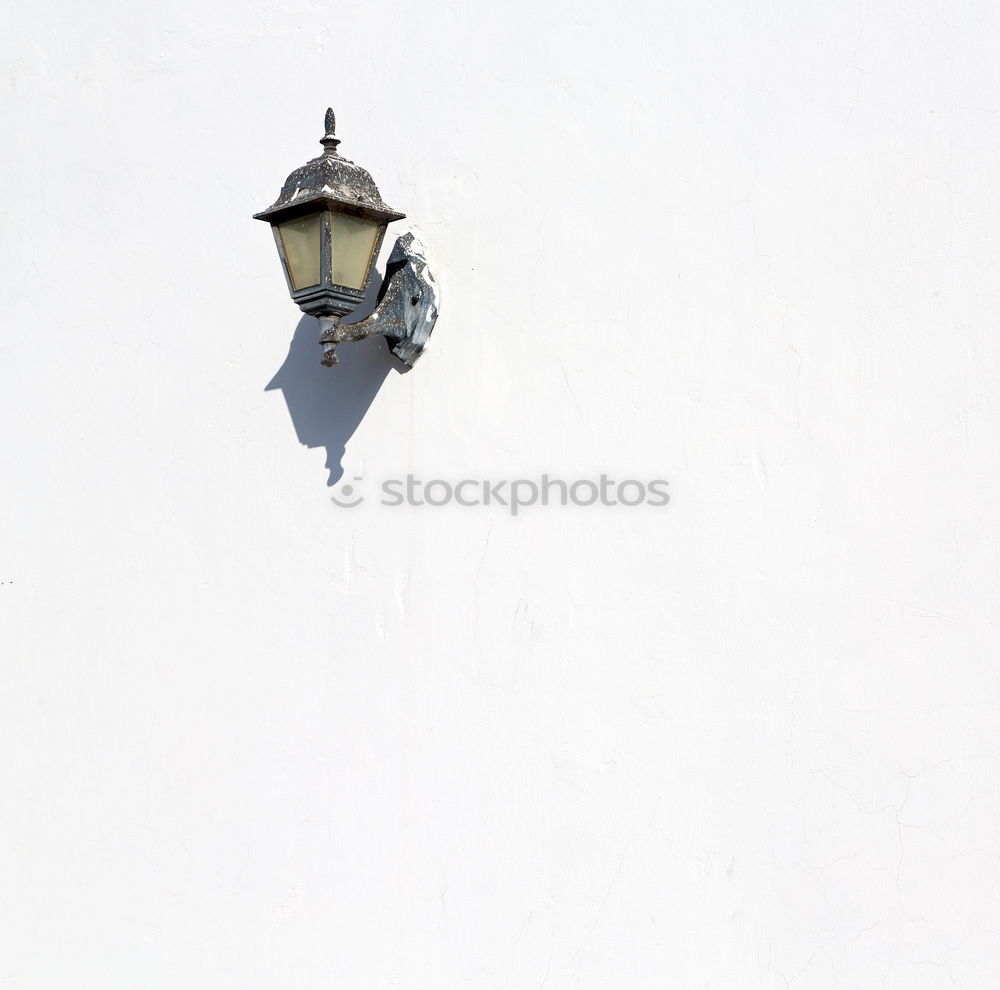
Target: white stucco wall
(254,740)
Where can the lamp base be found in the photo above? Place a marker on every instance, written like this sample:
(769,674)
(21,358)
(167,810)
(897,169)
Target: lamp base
(406,311)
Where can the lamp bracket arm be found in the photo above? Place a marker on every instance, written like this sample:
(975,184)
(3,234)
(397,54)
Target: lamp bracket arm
(406,311)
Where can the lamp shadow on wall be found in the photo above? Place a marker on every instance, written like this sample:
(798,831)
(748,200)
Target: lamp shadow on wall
(327,405)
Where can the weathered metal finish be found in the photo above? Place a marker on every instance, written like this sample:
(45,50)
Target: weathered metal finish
(329,180)
(406,312)
(328,184)
(408,299)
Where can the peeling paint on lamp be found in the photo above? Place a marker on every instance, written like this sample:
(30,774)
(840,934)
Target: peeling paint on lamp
(328,224)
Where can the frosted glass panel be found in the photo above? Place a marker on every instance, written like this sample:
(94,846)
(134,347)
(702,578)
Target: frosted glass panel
(300,239)
(353,245)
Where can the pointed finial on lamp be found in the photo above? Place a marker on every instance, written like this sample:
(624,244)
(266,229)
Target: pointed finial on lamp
(330,140)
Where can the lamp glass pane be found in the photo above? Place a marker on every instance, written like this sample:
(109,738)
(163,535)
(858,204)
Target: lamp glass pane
(301,240)
(353,245)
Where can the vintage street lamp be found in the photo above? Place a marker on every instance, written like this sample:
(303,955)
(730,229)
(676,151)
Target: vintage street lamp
(328,224)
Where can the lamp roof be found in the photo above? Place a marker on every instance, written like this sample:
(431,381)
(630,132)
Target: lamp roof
(329,180)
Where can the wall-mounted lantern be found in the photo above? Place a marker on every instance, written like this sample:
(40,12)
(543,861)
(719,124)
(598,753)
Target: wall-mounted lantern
(328,224)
